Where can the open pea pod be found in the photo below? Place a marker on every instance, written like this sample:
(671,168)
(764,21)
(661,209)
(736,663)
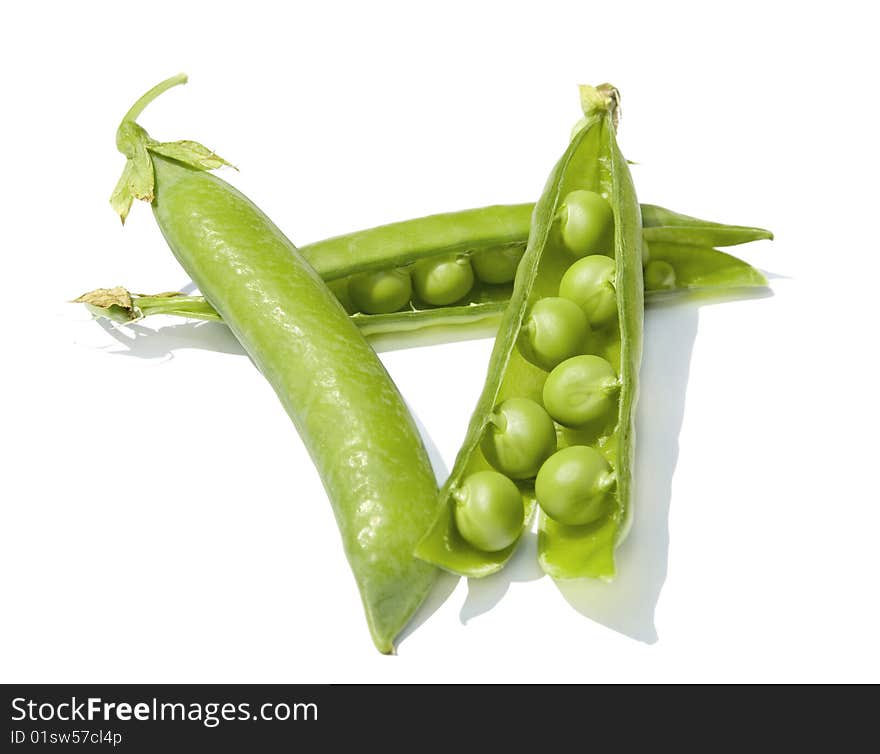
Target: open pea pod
(465,258)
(588,210)
(692,270)
(675,270)
(404,243)
(487,244)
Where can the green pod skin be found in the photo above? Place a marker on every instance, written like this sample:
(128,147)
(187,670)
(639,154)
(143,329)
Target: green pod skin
(664,225)
(587,551)
(592,162)
(700,273)
(346,409)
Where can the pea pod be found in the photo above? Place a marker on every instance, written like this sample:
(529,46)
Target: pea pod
(697,271)
(348,412)
(661,224)
(588,209)
(488,242)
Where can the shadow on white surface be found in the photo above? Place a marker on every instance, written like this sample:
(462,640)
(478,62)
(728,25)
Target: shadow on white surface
(483,594)
(438,465)
(440,592)
(628,604)
(147,343)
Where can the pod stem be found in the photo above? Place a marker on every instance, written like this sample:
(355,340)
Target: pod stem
(602,98)
(138,107)
(138,179)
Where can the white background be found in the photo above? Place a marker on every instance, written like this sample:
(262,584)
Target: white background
(160,518)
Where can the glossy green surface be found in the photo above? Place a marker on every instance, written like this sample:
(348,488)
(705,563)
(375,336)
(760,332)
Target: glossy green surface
(380,292)
(700,272)
(574,486)
(592,163)
(519,437)
(488,511)
(479,232)
(664,225)
(581,392)
(589,283)
(566,551)
(348,412)
(586,223)
(497,266)
(555,330)
(444,280)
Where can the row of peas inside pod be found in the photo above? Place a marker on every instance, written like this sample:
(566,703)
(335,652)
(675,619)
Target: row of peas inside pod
(471,277)
(437,281)
(570,336)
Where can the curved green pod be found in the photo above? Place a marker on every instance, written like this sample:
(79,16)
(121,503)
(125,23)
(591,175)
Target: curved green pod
(348,412)
(698,270)
(701,269)
(499,226)
(482,233)
(663,225)
(592,163)
(404,243)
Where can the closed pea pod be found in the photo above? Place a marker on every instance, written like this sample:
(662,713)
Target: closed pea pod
(570,221)
(348,413)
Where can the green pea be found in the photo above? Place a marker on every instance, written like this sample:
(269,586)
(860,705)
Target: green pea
(555,330)
(659,276)
(589,282)
(520,436)
(443,281)
(586,223)
(497,266)
(380,292)
(572,486)
(580,390)
(489,511)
